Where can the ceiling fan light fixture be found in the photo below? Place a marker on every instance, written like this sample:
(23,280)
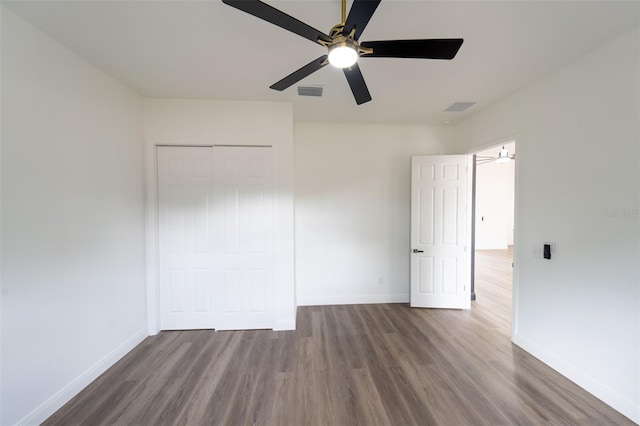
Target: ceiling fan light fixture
(343,55)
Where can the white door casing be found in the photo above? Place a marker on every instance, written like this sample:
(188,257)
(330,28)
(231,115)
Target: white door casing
(185,238)
(215,237)
(243,237)
(439,232)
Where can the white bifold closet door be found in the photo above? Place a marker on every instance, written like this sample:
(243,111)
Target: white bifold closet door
(242,223)
(215,237)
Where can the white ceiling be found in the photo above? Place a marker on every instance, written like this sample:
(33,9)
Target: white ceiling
(205,49)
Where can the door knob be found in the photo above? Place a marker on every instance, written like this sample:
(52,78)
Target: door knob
(418,251)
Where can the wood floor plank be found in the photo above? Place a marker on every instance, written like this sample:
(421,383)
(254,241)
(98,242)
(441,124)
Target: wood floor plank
(369,408)
(384,364)
(204,389)
(445,407)
(393,400)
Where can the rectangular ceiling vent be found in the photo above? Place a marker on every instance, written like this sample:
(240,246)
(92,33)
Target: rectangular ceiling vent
(460,106)
(310,91)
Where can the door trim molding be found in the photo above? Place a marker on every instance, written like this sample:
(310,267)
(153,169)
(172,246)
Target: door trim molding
(152,233)
(472,244)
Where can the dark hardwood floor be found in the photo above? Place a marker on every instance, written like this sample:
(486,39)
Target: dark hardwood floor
(361,364)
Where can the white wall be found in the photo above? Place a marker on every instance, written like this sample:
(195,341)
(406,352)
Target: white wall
(353,210)
(73,284)
(494,205)
(209,122)
(578,186)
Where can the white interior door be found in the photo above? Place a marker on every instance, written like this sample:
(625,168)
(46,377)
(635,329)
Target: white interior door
(185,238)
(215,237)
(439,228)
(243,237)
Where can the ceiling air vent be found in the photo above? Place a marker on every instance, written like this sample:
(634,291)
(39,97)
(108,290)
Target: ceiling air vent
(460,106)
(310,91)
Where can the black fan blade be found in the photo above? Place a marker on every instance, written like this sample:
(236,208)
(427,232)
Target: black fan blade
(357,84)
(359,16)
(445,48)
(271,14)
(296,76)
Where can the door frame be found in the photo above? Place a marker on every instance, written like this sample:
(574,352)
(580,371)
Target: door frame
(517,252)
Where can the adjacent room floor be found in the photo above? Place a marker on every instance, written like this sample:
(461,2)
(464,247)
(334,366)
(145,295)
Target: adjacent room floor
(355,364)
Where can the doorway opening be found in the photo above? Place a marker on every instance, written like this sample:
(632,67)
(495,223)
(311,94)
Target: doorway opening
(493,229)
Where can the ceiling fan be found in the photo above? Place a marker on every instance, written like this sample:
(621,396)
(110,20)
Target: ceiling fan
(343,45)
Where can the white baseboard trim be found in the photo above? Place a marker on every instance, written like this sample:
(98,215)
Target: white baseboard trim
(582,379)
(354,300)
(65,394)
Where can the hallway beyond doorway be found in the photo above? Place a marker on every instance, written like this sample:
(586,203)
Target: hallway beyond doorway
(493,285)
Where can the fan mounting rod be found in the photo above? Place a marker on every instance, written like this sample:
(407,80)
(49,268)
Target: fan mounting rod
(343,48)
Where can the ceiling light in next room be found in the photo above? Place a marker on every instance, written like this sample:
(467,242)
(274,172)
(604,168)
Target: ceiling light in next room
(460,106)
(504,157)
